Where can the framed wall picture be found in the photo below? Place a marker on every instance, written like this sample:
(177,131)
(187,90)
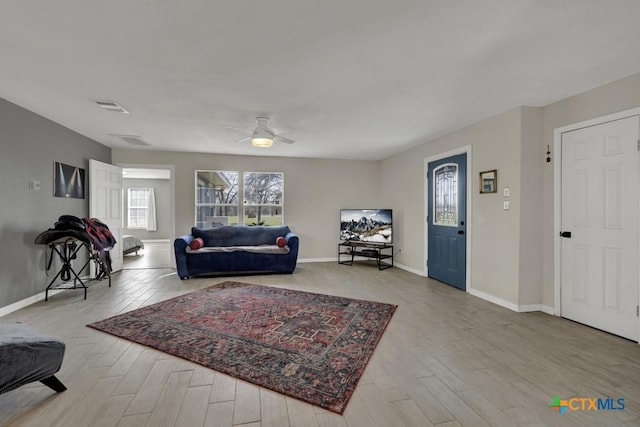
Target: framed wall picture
(68,181)
(489,181)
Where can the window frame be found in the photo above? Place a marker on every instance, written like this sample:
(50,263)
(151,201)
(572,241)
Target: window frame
(277,206)
(241,207)
(198,204)
(145,207)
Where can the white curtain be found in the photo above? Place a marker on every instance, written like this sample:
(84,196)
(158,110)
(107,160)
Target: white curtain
(151,211)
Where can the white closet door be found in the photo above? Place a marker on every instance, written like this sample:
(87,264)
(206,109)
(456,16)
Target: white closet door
(600,210)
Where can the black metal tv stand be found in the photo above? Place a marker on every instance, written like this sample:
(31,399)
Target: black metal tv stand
(381,252)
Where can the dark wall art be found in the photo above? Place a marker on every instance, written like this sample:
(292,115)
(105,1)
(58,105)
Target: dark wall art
(68,181)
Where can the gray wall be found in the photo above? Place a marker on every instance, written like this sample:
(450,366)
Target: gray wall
(162,189)
(29,144)
(314,190)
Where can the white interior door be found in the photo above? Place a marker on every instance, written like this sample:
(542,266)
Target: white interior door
(599,272)
(105,203)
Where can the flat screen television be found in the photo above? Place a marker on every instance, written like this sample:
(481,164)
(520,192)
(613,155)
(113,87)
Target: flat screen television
(366,225)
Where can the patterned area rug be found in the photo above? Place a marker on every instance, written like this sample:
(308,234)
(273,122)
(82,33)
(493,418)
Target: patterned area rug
(308,346)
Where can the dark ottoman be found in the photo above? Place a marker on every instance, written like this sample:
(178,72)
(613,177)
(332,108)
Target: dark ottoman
(28,355)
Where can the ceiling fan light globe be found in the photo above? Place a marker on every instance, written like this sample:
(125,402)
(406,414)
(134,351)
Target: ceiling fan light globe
(261,142)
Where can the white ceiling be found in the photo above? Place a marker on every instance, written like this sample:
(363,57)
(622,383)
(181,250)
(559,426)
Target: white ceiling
(352,79)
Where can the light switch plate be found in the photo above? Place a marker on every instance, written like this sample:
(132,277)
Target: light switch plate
(506,192)
(34,185)
(506,205)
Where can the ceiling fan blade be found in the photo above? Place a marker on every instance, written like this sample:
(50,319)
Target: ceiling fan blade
(244,139)
(237,128)
(280,130)
(286,140)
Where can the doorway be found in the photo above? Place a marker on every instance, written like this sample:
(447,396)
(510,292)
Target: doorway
(153,254)
(597,275)
(446,206)
(148,218)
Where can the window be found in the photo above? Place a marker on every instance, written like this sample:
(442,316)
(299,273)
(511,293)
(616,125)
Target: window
(445,195)
(218,195)
(138,206)
(216,198)
(263,198)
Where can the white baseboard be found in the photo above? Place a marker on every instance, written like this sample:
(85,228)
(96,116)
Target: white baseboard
(335,259)
(26,302)
(524,308)
(155,240)
(409,269)
(499,301)
(546,309)
(303,260)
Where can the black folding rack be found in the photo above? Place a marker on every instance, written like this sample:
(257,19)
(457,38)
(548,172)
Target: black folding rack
(67,249)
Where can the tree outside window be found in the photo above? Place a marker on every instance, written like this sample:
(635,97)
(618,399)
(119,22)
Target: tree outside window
(216,198)
(263,198)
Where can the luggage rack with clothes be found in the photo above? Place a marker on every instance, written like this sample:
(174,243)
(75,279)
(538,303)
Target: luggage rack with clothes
(69,235)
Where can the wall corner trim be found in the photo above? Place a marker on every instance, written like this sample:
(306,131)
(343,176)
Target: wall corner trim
(525,308)
(488,297)
(522,308)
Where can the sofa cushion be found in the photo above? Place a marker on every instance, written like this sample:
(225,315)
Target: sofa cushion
(239,235)
(260,249)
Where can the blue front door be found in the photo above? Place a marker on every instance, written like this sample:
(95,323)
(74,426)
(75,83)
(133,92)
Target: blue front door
(447,219)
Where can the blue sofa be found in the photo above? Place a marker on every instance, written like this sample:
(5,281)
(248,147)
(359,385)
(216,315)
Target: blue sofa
(236,249)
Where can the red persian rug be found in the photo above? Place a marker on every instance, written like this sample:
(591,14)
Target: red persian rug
(308,346)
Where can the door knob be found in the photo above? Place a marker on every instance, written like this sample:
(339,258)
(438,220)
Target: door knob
(566,234)
(460,231)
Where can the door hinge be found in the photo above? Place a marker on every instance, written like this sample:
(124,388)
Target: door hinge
(639,145)
(426,263)
(637,310)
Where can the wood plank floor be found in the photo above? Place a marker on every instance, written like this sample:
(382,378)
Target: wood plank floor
(446,359)
(154,255)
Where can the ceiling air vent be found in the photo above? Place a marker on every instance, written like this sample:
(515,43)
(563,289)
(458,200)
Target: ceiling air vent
(131,139)
(111,106)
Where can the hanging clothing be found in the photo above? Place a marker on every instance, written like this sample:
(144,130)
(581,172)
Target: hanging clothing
(100,234)
(91,231)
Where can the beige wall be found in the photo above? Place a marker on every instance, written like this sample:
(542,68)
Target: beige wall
(618,96)
(494,232)
(315,190)
(533,165)
(512,251)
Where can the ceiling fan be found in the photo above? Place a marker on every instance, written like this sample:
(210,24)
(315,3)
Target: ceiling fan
(262,136)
